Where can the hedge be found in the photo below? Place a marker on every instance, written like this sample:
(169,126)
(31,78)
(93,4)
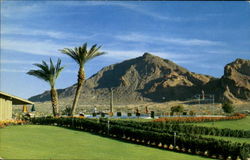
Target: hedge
(236,116)
(166,127)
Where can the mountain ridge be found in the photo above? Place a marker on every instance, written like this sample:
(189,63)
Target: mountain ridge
(152,78)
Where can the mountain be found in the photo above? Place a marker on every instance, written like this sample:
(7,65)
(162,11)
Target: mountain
(236,80)
(151,78)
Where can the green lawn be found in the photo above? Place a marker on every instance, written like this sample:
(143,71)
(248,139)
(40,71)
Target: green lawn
(49,142)
(234,124)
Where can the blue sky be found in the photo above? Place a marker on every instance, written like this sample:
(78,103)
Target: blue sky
(200,36)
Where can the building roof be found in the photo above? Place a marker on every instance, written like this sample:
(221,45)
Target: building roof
(15,100)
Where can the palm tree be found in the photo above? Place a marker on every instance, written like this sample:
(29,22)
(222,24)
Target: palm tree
(49,74)
(81,55)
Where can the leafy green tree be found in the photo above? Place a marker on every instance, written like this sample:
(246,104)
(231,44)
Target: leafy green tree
(49,73)
(177,109)
(228,107)
(33,109)
(81,55)
(66,111)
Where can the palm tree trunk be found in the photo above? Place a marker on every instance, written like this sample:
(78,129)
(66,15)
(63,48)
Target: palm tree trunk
(54,101)
(81,78)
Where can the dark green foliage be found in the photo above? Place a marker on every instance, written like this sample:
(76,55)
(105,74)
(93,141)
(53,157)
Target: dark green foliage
(102,114)
(33,109)
(152,114)
(66,111)
(119,114)
(228,107)
(191,113)
(47,72)
(177,109)
(137,114)
(129,114)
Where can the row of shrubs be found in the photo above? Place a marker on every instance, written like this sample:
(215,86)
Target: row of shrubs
(6,123)
(163,127)
(184,142)
(200,119)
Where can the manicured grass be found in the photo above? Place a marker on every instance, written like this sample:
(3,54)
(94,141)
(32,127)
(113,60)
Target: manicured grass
(232,124)
(50,142)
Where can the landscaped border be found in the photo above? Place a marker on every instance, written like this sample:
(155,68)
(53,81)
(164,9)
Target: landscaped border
(200,119)
(11,122)
(187,143)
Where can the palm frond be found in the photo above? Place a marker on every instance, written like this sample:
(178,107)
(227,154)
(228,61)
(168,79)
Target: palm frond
(43,67)
(39,74)
(81,54)
(58,67)
(45,64)
(47,72)
(52,67)
(96,54)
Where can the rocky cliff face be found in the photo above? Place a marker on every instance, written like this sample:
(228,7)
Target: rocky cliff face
(236,80)
(151,78)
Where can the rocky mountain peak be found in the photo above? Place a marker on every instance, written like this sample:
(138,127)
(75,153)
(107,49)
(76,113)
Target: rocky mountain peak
(150,78)
(146,54)
(236,79)
(241,66)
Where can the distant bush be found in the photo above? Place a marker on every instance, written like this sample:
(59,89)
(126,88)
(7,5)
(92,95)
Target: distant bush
(191,113)
(66,111)
(228,107)
(177,109)
(137,114)
(102,114)
(119,114)
(152,114)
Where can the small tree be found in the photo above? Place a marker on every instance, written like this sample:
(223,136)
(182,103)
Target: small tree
(178,109)
(228,107)
(49,73)
(81,55)
(152,114)
(33,109)
(66,111)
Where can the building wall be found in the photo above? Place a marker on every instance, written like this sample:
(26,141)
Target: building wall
(5,109)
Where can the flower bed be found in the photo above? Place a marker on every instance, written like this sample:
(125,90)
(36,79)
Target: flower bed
(11,122)
(199,119)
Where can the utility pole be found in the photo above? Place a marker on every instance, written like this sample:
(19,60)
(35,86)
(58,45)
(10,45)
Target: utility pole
(199,104)
(174,139)
(213,103)
(111,100)
(108,126)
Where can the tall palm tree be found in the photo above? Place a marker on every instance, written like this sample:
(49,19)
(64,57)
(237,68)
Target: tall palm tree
(81,55)
(49,74)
